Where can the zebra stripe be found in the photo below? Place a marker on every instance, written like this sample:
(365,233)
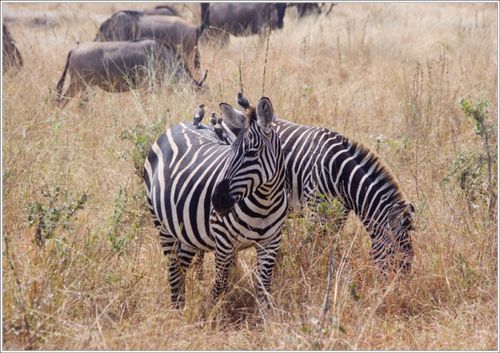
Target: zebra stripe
(206,196)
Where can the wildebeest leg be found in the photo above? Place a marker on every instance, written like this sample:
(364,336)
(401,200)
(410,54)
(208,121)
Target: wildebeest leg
(266,259)
(72,91)
(84,97)
(216,37)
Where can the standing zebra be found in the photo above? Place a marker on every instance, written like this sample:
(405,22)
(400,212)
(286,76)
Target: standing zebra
(320,162)
(207,196)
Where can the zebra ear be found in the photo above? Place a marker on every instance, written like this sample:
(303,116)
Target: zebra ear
(232,117)
(265,113)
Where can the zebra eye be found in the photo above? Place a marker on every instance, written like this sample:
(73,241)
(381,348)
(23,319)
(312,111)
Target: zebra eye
(251,153)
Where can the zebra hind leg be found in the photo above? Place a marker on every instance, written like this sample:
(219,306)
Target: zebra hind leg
(179,259)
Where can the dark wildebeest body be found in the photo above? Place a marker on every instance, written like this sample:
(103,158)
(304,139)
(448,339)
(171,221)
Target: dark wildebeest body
(163,10)
(171,31)
(241,19)
(11,55)
(121,66)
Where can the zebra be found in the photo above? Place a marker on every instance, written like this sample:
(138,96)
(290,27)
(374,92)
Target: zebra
(320,162)
(207,196)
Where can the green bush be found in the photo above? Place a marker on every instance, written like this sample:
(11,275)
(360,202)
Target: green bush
(142,137)
(55,211)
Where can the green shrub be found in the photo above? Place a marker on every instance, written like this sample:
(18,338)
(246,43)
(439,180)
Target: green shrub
(142,137)
(55,211)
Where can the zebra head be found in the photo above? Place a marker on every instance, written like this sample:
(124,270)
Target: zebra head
(256,159)
(399,225)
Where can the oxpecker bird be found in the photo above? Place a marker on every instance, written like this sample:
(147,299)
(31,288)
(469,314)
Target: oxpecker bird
(242,101)
(219,130)
(198,115)
(213,119)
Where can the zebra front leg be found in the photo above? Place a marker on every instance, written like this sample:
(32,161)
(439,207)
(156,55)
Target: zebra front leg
(266,260)
(341,219)
(381,252)
(223,260)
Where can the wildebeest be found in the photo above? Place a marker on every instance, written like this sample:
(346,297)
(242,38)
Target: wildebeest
(241,19)
(11,55)
(121,66)
(171,31)
(163,10)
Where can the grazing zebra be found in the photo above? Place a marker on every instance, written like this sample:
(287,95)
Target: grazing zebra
(207,196)
(320,162)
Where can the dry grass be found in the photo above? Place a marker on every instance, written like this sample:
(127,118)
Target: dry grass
(388,75)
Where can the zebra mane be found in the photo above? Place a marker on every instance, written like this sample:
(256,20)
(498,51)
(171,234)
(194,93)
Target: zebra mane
(381,168)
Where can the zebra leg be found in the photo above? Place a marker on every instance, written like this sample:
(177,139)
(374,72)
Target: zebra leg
(341,220)
(169,246)
(184,257)
(198,265)
(223,260)
(179,258)
(381,252)
(266,260)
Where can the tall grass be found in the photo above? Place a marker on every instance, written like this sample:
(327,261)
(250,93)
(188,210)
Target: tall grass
(388,75)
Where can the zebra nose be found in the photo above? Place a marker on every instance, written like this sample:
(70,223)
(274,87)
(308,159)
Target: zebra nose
(221,200)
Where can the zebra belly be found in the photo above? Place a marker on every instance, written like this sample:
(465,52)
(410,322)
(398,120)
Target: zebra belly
(185,221)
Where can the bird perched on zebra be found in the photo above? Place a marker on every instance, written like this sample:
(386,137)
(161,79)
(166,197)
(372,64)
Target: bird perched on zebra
(213,119)
(219,198)
(198,115)
(219,131)
(242,100)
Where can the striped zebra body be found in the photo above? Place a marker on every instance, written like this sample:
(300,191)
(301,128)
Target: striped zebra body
(322,162)
(212,197)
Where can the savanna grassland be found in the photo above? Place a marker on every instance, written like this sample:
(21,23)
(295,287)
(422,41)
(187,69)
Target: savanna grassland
(82,264)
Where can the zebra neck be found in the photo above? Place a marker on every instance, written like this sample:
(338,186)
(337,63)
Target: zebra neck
(355,175)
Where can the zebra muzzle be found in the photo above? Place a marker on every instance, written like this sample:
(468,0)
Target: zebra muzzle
(222,201)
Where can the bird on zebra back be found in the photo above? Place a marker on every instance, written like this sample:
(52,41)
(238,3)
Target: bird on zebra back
(213,119)
(322,163)
(205,196)
(198,115)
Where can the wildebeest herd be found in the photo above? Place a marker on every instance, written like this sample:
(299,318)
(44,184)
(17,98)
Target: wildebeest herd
(229,184)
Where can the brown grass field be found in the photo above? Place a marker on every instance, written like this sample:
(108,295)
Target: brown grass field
(388,75)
